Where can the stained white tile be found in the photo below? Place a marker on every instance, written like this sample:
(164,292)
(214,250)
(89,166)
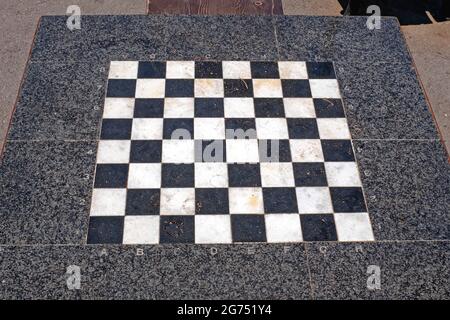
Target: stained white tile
(239,108)
(178,151)
(324,88)
(118,108)
(123,70)
(209,88)
(211,175)
(141,230)
(283,228)
(113,151)
(267,88)
(272,128)
(314,200)
(333,128)
(306,150)
(180,70)
(144,175)
(150,88)
(147,129)
(108,202)
(277,174)
(209,128)
(242,151)
(179,108)
(353,227)
(212,229)
(342,174)
(292,70)
(246,200)
(177,201)
(236,70)
(299,108)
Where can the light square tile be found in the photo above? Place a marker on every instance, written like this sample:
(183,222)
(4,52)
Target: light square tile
(283,228)
(267,88)
(236,70)
(179,108)
(147,129)
(306,150)
(299,108)
(272,128)
(277,174)
(113,151)
(353,227)
(333,128)
(144,175)
(178,151)
(242,151)
(118,108)
(246,200)
(324,88)
(342,174)
(141,230)
(314,200)
(209,88)
(211,175)
(108,202)
(177,201)
(239,108)
(292,70)
(123,70)
(210,229)
(150,88)
(209,128)
(180,70)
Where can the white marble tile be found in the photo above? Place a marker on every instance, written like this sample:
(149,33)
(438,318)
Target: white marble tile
(242,151)
(123,70)
(292,70)
(209,88)
(180,70)
(306,150)
(178,151)
(211,175)
(282,228)
(299,108)
(325,88)
(141,230)
(118,108)
(179,108)
(209,128)
(177,201)
(314,200)
(272,128)
(246,200)
(236,70)
(353,227)
(333,128)
(277,174)
(144,175)
(108,202)
(210,229)
(342,174)
(239,108)
(267,88)
(113,151)
(147,129)
(150,88)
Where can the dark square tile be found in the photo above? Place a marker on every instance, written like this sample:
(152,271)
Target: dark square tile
(210,151)
(184,125)
(178,88)
(116,129)
(320,70)
(177,175)
(211,201)
(111,176)
(269,107)
(329,108)
(146,151)
(177,229)
(121,88)
(303,128)
(152,69)
(240,128)
(248,228)
(142,202)
(105,230)
(208,69)
(209,108)
(318,227)
(238,88)
(310,174)
(274,151)
(148,108)
(337,150)
(348,199)
(265,69)
(296,88)
(280,200)
(244,175)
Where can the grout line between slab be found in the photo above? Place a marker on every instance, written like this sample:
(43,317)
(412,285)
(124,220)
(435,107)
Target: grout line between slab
(311,289)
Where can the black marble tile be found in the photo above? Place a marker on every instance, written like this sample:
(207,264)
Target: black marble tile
(296,88)
(320,70)
(274,151)
(318,227)
(347,199)
(269,107)
(209,108)
(177,229)
(178,125)
(303,128)
(310,174)
(211,201)
(152,70)
(407,188)
(236,88)
(146,151)
(46,190)
(280,200)
(263,69)
(111,176)
(177,175)
(179,88)
(244,175)
(329,108)
(240,128)
(337,150)
(121,88)
(208,69)
(248,228)
(210,151)
(148,108)
(116,129)
(143,202)
(105,230)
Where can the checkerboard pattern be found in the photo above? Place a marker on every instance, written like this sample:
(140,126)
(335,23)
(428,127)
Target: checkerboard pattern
(225,152)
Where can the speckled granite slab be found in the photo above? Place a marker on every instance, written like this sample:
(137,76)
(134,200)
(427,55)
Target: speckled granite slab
(48,166)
